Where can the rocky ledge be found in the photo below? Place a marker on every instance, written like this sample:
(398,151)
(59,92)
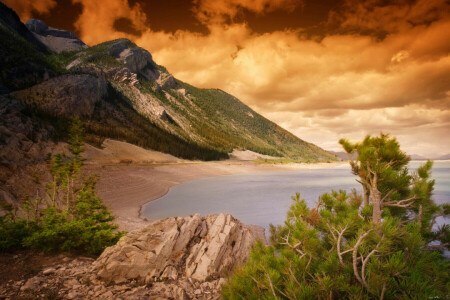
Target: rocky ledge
(173,258)
(55,39)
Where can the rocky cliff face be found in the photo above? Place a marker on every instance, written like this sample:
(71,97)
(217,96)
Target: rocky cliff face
(174,258)
(55,39)
(66,96)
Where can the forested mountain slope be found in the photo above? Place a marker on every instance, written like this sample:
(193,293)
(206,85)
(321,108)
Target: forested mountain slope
(121,93)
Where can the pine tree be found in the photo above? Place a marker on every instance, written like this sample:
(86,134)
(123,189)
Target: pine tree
(74,217)
(342,249)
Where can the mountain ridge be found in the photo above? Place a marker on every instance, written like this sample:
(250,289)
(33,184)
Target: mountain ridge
(119,93)
(120,70)
(210,118)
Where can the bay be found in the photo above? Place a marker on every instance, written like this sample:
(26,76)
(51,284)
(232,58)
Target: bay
(264,198)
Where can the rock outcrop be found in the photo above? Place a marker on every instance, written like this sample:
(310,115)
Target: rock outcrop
(71,278)
(173,258)
(193,247)
(136,59)
(66,95)
(55,39)
(139,60)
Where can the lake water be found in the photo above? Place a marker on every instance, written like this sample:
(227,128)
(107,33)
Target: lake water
(264,198)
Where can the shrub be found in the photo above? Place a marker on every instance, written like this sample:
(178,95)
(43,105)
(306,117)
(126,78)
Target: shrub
(73,217)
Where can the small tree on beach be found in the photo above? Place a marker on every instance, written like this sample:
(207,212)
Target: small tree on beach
(343,249)
(71,216)
(382,170)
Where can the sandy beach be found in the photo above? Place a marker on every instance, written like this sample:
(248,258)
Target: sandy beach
(131,176)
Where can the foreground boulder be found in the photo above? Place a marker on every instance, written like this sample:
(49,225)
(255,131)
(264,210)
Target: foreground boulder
(173,258)
(195,247)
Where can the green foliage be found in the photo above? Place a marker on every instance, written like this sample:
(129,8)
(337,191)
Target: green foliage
(332,252)
(336,251)
(128,125)
(226,123)
(73,217)
(388,186)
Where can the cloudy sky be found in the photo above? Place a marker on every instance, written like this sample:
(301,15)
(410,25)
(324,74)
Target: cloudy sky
(321,69)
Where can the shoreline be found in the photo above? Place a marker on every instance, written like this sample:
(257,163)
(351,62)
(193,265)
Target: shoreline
(125,188)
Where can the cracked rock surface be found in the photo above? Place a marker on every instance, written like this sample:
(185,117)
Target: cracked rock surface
(193,247)
(173,258)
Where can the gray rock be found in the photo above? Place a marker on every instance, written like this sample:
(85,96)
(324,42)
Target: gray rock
(37,26)
(48,271)
(197,247)
(55,39)
(136,59)
(66,95)
(32,284)
(118,46)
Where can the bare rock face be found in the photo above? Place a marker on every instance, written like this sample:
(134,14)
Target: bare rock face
(55,39)
(136,59)
(139,60)
(37,26)
(66,95)
(194,247)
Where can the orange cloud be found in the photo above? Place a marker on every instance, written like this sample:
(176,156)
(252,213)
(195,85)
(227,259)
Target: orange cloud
(366,83)
(96,22)
(341,85)
(389,16)
(214,11)
(25,8)
(420,130)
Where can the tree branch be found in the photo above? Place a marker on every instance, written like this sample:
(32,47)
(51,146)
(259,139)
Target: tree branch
(438,247)
(339,244)
(382,291)
(294,247)
(366,260)
(401,203)
(271,285)
(387,195)
(355,254)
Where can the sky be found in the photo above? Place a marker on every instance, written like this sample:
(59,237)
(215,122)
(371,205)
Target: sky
(321,69)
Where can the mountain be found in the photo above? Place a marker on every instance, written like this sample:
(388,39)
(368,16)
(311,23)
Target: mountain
(417,157)
(55,39)
(121,93)
(443,157)
(343,155)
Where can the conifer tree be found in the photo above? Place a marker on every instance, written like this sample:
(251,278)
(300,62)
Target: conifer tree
(73,217)
(342,249)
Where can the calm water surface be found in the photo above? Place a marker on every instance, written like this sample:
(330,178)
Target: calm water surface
(264,198)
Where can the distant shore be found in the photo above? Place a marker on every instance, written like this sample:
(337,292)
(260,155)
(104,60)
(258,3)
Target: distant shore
(124,188)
